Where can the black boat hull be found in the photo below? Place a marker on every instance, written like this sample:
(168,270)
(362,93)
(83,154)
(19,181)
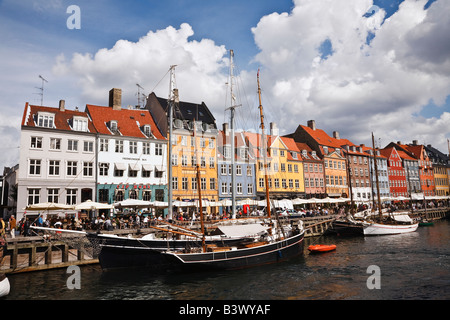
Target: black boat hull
(346,228)
(121,252)
(240,258)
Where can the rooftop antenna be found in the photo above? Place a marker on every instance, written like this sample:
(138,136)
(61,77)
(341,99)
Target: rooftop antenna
(41,89)
(139,95)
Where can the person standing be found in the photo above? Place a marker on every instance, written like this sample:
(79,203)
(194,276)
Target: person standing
(12,226)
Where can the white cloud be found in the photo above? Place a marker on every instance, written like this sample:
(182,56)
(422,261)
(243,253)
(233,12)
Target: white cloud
(360,87)
(198,72)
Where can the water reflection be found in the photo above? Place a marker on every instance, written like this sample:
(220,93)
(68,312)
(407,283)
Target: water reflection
(413,266)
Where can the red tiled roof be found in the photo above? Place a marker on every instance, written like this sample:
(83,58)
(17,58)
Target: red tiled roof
(129,121)
(404,155)
(61,120)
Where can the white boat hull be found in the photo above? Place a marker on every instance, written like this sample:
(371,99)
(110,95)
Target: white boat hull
(378,229)
(4,287)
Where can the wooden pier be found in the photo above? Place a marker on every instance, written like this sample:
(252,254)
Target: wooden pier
(25,254)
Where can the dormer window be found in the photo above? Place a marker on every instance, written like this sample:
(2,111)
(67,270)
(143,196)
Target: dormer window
(45,120)
(325,150)
(79,124)
(113,126)
(147,130)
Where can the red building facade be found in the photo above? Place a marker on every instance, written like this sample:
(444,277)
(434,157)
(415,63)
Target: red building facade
(396,173)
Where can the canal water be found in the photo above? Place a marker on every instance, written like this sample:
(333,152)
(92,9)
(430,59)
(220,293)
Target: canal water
(414,266)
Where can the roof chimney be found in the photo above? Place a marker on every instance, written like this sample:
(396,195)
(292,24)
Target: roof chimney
(336,135)
(312,124)
(115,98)
(225,128)
(273,129)
(62,105)
(415,142)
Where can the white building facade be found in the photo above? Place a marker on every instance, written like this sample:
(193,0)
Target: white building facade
(57,157)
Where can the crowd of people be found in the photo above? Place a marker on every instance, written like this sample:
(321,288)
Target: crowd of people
(12,228)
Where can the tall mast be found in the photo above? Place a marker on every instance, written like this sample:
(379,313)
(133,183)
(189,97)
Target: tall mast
(264,149)
(199,189)
(173,98)
(376,177)
(232,109)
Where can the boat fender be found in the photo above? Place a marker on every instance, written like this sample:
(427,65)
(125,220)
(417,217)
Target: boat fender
(280,255)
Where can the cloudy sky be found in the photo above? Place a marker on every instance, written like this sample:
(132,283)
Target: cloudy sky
(354,66)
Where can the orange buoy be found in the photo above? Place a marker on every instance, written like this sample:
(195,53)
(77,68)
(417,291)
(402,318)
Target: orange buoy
(322,248)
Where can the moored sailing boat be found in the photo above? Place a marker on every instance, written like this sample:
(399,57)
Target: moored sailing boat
(390,224)
(268,248)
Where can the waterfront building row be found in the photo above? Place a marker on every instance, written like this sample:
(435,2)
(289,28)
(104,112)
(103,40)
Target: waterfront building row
(111,153)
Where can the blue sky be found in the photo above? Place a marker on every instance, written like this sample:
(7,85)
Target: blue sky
(326,60)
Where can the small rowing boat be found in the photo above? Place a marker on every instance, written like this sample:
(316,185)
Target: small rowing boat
(321,248)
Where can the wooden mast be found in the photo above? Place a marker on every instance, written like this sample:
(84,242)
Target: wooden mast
(265,150)
(199,190)
(376,178)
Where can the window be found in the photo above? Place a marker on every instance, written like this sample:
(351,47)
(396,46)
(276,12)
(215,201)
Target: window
(104,145)
(289,167)
(33,196)
(53,168)
(113,126)
(239,188)
(283,183)
(88,146)
(249,171)
(183,140)
(277,183)
(52,195)
(36,143)
(158,173)
(250,188)
(282,153)
(211,143)
(119,146)
(223,169)
(71,197)
(80,124)
(147,195)
(133,147)
(175,183)
(146,147)
(55,144)
(202,143)
(118,172)
(158,149)
(184,183)
(35,167)
(71,168)
(72,145)
(224,188)
(174,160)
(103,169)
(291,183)
(261,182)
(244,153)
(45,120)
(203,162)
(146,173)
(283,167)
(212,183)
(88,168)
(203,183)
(132,194)
(184,160)
(239,170)
(227,152)
(212,162)
(147,130)
(194,183)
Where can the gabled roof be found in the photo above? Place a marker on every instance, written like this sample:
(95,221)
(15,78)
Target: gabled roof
(129,121)
(190,111)
(62,119)
(324,139)
(405,156)
(309,157)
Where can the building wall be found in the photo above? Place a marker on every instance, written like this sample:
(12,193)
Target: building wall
(83,185)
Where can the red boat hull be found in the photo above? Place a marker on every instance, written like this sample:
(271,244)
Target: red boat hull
(322,248)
